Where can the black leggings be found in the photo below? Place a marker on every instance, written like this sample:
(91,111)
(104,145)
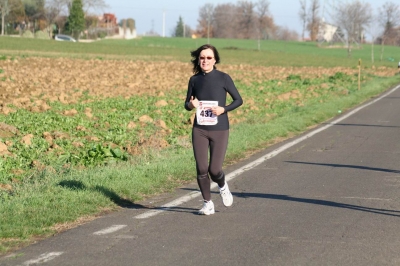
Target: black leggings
(216,142)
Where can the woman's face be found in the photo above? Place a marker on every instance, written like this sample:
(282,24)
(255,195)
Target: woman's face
(207,60)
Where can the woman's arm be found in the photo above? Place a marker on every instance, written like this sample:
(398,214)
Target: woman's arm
(189,97)
(234,93)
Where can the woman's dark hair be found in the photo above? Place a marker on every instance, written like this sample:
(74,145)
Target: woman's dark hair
(196,53)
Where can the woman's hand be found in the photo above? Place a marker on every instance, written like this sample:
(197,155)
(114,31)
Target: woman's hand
(194,102)
(218,110)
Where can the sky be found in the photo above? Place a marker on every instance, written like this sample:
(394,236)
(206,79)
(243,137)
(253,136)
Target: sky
(150,15)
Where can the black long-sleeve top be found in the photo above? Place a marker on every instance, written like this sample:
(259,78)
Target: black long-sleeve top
(214,86)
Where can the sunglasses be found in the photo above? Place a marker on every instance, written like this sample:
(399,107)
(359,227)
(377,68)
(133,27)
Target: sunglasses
(206,57)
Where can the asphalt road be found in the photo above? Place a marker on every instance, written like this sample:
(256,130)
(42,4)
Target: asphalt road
(329,197)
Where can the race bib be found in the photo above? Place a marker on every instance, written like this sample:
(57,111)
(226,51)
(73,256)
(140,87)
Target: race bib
(204,114)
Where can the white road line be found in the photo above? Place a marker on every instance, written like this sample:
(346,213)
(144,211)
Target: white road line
(253,164)
(362,198)
(169,205)
(110,230)
(45,257)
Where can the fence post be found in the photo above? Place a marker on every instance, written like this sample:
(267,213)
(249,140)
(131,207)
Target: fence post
(359,74)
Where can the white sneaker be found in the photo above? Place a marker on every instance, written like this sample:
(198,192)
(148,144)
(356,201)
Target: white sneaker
(208,208)
(226,195)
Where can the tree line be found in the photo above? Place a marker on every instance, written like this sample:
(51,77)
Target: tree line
(253,20)
(69,16)
(354,20)
(243,20)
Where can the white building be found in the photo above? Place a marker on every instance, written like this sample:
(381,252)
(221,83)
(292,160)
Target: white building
(127,33)
(326,32)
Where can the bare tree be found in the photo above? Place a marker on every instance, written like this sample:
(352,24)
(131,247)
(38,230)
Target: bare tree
(310,18)
(201,28)
(53,9)
(17,12)
(374,30)
(205,21)
(352,18)
(263,19)
(35,13)
(303,16)
(314,20)
(285,34)
(12,11)
(93,5)
(4,10)
(224,24)
(246,19)
(88,5)
(389,19)
(62,9)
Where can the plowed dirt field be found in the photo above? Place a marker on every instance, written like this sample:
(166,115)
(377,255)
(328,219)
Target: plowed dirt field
(30,82)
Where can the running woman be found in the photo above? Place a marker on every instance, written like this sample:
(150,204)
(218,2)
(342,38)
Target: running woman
(207,93)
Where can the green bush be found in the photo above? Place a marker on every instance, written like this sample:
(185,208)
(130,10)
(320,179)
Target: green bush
(339,76)
(293,77)
(102,34)
(42,35)
(28,34)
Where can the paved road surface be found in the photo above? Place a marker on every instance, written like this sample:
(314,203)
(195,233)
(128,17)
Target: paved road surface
(330,198)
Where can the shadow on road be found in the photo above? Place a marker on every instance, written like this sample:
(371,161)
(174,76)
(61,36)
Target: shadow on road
(114,197)
(319,202)
(77,185)
(327,203)
(350,166)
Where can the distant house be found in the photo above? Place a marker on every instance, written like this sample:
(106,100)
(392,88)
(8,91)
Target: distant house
(127,29)
(109,22)
(126,33)
(326,32)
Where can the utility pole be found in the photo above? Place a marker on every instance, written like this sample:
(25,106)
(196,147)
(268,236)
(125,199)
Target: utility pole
(163,29)
(208,27)
(184,28)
